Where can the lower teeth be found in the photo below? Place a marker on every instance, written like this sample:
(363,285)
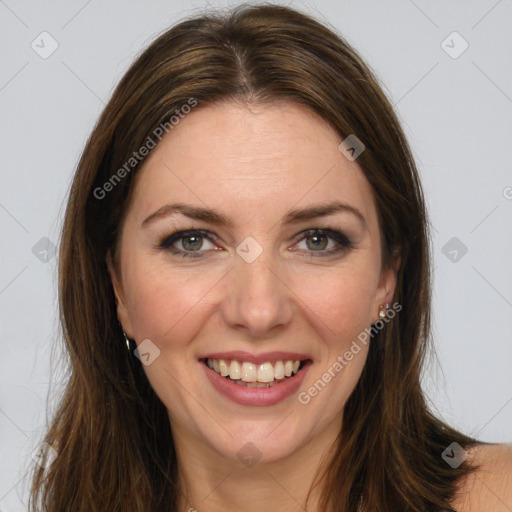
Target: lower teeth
(256,384)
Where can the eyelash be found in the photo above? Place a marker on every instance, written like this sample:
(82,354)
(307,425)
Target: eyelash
(341,239)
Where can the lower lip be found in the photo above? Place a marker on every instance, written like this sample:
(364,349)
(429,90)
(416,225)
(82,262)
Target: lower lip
(256,397)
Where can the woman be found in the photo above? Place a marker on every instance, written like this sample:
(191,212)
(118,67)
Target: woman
(245,291)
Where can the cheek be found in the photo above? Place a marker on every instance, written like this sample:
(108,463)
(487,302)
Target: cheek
(340,305)
(342,299)
(167,305)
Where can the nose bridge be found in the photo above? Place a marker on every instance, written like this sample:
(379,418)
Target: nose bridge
(257,298)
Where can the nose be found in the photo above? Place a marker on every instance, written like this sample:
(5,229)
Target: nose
(257,299)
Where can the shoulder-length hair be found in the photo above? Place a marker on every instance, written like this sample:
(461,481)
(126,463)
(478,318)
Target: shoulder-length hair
(112,434)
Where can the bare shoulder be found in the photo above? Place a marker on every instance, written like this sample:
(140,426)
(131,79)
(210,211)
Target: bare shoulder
(489,488)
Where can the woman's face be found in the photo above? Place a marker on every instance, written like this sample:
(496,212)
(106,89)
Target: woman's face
(258,285)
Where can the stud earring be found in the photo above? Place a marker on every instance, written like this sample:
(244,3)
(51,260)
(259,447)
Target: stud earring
(383,309)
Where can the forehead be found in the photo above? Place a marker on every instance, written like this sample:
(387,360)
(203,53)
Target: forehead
(260,160)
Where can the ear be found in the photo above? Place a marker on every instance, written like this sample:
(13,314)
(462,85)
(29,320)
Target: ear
(122,310)
(387,283)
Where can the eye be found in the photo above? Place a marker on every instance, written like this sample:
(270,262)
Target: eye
(191,243)
(185,242)
(324,242)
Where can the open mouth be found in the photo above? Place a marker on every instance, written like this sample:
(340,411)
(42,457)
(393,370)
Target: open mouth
(251,375)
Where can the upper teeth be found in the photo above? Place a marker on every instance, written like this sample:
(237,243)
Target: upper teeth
(250,372)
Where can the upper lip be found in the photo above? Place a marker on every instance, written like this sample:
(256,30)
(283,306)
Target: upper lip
(264,357)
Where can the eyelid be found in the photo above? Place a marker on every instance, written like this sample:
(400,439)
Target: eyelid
(342,243)
(340,237)
(167,241)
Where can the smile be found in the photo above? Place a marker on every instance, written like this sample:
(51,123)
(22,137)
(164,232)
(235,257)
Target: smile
(264,375)
(256,381)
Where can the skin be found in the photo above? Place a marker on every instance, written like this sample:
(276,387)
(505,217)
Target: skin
(489,489)
(253,165)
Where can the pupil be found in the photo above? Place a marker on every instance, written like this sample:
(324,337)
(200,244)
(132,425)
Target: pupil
(317,241)
(196,242)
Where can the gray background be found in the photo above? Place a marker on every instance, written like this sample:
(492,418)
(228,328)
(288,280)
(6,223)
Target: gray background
(456,112)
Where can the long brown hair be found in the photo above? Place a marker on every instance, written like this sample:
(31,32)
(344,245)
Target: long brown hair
(111,432)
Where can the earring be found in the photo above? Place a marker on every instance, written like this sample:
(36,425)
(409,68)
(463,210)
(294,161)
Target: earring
(130,344)
(382,310)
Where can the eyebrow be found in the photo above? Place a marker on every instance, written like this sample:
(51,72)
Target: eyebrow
(214,217)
